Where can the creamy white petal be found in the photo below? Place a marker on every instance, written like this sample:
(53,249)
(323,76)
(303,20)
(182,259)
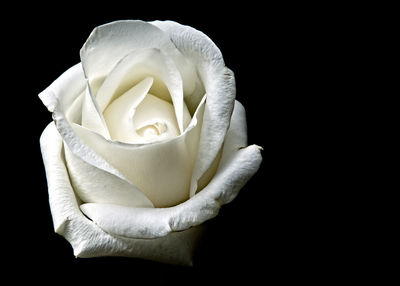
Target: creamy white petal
(155,120)
(74,112)
(196,47)
(109,43)
(119,114)
(162,171)
(137,65)
(59,97)
(62,199)
(65,89)
(88,239)
(91,117)
(131,70)
(128,221)
(238,164)
(92,184)
(224,187)
(131,98)
(219,84)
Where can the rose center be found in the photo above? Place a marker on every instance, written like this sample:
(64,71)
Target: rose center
(152,130)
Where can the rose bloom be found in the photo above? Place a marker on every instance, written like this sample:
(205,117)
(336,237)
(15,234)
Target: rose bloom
(147,142)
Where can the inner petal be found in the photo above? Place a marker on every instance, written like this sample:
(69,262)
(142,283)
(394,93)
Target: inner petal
(133,161)
(155,120)
(139,64)
(139,117)
(152,130)
(91,118)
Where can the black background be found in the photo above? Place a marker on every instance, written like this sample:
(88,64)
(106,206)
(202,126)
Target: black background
(263,235)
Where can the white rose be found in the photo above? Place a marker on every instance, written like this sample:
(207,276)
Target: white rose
(147,142)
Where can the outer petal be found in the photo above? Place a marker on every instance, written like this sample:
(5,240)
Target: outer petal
(89,240)
(129,221)
(65,89)
(108,43)
(61,97)
(238,164)
(95,185)
(219,84)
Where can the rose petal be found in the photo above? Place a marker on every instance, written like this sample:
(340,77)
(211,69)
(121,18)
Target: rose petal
(59,98)
(74,112)
(95,185)
(109,43)
(219,84)
(128,221)
(135,94)
(189,51)
(63,203)
(238,164)
(91,117)
(65,89)
(162,171)
(154,120)
(119,114)
(89,240)
(136,66)
(224,187)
